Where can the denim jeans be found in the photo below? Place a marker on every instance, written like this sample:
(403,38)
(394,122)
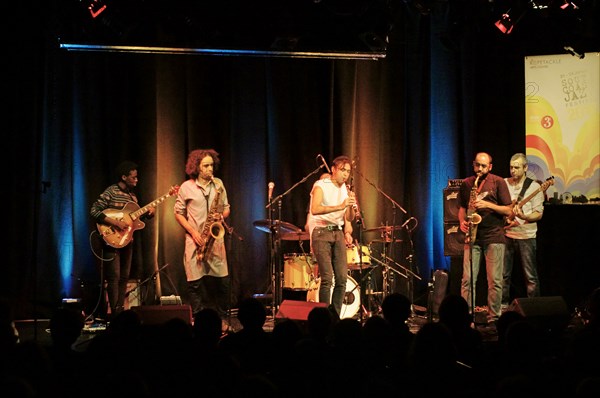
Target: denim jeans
(494,264)
(330,252)
(526,249)
(116,275)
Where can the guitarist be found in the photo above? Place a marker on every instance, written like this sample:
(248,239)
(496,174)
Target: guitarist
(117,261)
(521,231)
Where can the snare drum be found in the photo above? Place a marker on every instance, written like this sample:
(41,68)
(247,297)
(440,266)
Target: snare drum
(351,303)
(354,260)
(297,271)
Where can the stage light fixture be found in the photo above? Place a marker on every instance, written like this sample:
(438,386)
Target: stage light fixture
(96,7)
(566,5)
(505,23)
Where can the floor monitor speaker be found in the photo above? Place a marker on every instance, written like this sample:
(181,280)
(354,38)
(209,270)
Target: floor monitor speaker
(296,310)
(158,314)
(551,313)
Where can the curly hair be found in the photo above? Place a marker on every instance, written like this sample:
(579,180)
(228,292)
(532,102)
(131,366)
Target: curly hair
(124,168)
(196,156)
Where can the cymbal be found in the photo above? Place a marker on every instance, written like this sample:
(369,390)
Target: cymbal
(282,226)
(388,240)
(300,235)
(383,228)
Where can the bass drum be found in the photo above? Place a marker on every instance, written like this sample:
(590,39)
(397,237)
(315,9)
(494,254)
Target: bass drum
(351,303)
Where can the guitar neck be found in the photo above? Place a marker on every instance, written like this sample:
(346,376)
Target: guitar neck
(542,188)
(143,210)
(527,199)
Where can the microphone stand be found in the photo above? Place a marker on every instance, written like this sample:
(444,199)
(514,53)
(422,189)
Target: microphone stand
(273,266)
(275,258)
(471,284)
(392,239)
(142,283)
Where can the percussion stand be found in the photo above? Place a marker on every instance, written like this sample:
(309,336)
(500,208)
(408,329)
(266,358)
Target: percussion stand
(367,311)
(367,288)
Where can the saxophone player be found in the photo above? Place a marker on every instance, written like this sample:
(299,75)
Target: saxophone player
(491,200)
(200,204)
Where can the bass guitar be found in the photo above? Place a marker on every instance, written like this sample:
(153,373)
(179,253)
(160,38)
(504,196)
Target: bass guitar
(130,213)
(510,220)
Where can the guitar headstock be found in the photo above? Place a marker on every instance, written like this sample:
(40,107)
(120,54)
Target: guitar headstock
(549,181)
(174,190)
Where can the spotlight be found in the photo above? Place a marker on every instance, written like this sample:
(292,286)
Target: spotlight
(569,4)
(96,7)
(505,24)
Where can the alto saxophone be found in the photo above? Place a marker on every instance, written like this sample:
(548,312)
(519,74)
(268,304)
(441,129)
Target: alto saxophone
(213,228)
(472,217)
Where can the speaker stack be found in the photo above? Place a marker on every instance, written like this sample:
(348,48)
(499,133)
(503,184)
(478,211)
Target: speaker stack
(454,238)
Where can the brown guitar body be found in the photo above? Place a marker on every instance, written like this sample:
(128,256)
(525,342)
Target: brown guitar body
(130,213)
(120,238)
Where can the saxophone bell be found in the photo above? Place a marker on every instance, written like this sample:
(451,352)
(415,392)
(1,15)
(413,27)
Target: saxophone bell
(213,228)
(474,218)
(217,230)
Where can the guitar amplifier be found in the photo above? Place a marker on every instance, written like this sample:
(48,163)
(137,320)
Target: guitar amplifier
(451,204)
(454,239)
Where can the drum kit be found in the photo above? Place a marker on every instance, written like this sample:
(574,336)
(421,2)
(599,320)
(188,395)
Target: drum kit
(301,271)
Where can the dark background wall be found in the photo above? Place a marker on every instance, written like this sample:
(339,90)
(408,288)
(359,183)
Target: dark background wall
(449,85)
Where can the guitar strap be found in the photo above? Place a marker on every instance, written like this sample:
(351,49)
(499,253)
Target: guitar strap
(526,185)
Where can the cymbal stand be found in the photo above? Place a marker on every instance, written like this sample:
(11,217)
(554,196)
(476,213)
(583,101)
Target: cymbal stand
(387,266)
(395,205)
(367,292)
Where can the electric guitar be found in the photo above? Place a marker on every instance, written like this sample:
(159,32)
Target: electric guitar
(130,213)
(510,220)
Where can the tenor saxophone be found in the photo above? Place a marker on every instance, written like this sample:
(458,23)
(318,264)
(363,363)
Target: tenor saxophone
(472,217)
(213,227)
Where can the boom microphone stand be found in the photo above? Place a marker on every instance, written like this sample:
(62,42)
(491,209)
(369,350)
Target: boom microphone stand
(275,243)
(392,239)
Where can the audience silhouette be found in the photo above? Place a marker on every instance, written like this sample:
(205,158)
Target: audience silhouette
(317,357)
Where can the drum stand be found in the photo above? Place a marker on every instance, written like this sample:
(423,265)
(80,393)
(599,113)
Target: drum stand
(373,306)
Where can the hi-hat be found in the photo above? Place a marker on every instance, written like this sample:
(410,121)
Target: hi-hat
(384,228)
(300,235)
(282,226)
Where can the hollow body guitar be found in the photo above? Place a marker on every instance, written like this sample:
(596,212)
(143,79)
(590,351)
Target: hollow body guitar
(510,220)
(130,213)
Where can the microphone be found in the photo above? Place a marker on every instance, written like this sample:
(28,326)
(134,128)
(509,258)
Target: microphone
(324,163)
(271,186)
